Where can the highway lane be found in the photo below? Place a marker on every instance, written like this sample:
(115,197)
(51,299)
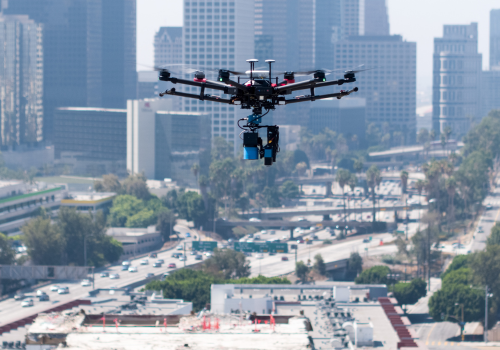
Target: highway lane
(11,310)
(487,221)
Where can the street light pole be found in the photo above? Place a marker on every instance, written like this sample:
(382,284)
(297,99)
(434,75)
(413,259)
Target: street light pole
(486,315)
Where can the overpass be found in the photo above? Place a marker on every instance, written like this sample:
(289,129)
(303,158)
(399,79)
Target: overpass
(302,180)
(327,211)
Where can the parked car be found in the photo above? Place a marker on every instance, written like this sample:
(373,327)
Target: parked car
(309,241)
(27,303)
(63,290)
(179,247)
(489,207)
(157,264)
(300,241)
(104,274)
(301,219)
(126,263)
(208,254)
(114,276)
(39,292)
(161,261)
(171,266)
(284,258)
(272,232)
(86,283)
(182,258)
(132,269)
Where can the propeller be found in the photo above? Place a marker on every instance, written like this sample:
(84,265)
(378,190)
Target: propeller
(358,69)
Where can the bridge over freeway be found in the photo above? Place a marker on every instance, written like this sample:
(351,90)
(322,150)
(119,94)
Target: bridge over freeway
(327,211)
(302,180)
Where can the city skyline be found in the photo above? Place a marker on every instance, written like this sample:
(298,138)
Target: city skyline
(405,18)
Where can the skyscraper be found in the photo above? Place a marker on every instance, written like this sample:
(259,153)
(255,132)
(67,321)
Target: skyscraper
(495,38)
(390,87)
(218,35)
(21,81)
(376,17)
(89,52)
(119,77)
(168,46)
(456,79)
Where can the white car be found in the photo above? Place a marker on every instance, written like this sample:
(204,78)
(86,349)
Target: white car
(86,283)
(208,254)
(54,288)
(263,232)
(27,303)
(39,292)
(144,262)
(301,219)
(257,237)
(114,276)
(259,256)
(126,263)
(182,258)
(63,290)
(180,247)
(132,269)
(254,220)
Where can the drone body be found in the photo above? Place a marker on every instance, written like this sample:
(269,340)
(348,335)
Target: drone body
(259,92)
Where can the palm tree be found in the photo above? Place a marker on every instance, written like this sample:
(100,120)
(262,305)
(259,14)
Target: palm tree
(451,186)
(404,183)
(196,170)
(343,176)
(373,179)
(353,182)
(420,184)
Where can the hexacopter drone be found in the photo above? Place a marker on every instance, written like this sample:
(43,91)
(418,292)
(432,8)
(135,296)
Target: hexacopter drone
(259,92)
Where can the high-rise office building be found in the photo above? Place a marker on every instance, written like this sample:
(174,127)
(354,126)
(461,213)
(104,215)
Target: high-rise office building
(389,88)
(490,91)
(119,77)
(495,38)
(89,52)
(363,17)
(21,81)
(218,34)
(376,18)
(456,79)
(168,46)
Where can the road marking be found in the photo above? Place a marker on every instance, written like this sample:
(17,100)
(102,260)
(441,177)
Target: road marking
(429,335)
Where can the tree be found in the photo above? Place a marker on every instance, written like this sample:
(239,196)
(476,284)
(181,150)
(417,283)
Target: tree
(423,136)
(271,196)
(43,241)
(191,207)
(494,237)
(408,293)
(343,176)
(109,183)
(459,261)
(124,206)
(166,221)
(445,304)
(355,264)
(221,149)
(301,168)
(136,186)
(375,275)
(228,263)
(319,265)
(404,181)
(420,184)
(196,170)
(7,254)
(486,269)
(289,190)
(373,180)
(301,271)
(451,185)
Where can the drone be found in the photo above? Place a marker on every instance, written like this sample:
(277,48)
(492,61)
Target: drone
(258,91)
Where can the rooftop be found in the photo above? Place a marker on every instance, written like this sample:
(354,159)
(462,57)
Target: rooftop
(88,198)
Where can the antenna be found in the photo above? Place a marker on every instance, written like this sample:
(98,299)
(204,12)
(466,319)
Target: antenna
(270,62)
(252,65)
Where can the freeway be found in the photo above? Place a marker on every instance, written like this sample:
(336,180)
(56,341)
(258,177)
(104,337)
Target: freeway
(11,310)
(487,221)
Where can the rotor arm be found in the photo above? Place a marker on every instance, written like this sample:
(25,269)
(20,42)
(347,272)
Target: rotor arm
(236,85)
(338,95)
(196,97)
(208,84)
(311,83)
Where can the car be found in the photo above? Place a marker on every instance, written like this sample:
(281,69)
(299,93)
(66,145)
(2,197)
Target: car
(132,269)
(259,256)
(198,257)
(263,232)
(157,264)
(175,255)
(188,235)
(86,283)
(27,303)
(300,241)
(44,297)
(250,240)
(309,242)
(254,220)
(63,290)
(126,263)
(124,267)
(182,258)
(171,266)
(489,207)
(193,252)
(272,232)
(104,274)
(366,240)
(301,219)
(179,247)
(284,258)
(54,288)
(480,229)
(19,296)
(208,254)
(144,262)
(247,254)
(312,228)
(224,246)
(150,274)
(153,255)
(284,237)
(114,276)
(257,237)
(314,237)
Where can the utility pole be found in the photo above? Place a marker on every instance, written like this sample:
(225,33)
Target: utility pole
(84,250)
(185,256)
(486,315)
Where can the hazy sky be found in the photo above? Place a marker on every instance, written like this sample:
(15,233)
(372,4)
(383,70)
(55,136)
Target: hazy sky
(415,20)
